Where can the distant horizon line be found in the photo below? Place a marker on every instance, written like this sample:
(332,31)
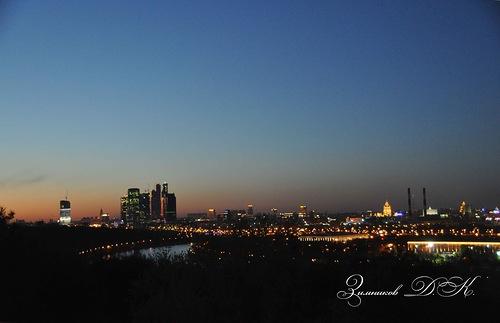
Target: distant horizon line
(185,214)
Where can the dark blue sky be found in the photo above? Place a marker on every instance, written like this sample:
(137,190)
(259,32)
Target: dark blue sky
(337,104)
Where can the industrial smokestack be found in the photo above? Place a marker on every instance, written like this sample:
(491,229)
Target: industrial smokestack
(409,202)
(425,203)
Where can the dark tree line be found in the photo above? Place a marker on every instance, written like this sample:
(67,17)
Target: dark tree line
(6,216)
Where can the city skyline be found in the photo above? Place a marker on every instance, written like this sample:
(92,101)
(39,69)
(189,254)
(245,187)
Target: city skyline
(418,204)
(341,107)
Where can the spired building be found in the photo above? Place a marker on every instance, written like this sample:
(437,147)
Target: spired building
(387,211)
(168,204)
(64,212)
(164,199)
(464,209)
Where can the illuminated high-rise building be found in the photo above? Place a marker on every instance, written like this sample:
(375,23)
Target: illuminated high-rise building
(123,208)
(302,210)
(464,208)
(461,208)
(133,206)
(211,214)
(164,199)
(387,211)
(144,208)
(64,212)
(140,208)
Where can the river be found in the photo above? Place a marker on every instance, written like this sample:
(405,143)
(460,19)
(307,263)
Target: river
(155,253)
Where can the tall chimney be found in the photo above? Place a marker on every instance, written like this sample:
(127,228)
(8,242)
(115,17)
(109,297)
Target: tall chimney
(409,202)
(425,203)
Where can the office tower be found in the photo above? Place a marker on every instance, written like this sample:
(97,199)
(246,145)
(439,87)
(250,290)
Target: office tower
(144,208)
(123,208)
(274,211)
(171,207)
(464,208)
(140,208)
(425,202)
(211,214)
(409,202)
(133,206)
(250,209)
(387,211)
(302,210)
(65,212)
(156,202)
(164,199)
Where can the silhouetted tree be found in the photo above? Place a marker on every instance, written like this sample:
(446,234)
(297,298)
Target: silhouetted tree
(5,216)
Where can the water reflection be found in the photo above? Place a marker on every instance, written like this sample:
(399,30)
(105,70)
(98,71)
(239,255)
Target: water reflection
(154,253)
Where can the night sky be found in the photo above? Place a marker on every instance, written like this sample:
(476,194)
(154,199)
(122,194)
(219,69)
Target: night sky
(336,104)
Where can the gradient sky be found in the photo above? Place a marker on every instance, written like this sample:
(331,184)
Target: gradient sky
(337,104)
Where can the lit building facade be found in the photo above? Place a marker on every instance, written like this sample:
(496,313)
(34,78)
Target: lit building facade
(144,208)
(164,199)
(212,215)
(302,210)
(123,208)
(431,211)
(64,212)
(133,206)
(387,211)
(464,209)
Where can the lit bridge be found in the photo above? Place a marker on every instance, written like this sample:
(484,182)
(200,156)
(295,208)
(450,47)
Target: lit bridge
(452,246)
(457,243)
(335,238)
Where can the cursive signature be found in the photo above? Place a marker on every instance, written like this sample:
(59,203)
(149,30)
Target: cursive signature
(353,294)
(442,286)
(420,286)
